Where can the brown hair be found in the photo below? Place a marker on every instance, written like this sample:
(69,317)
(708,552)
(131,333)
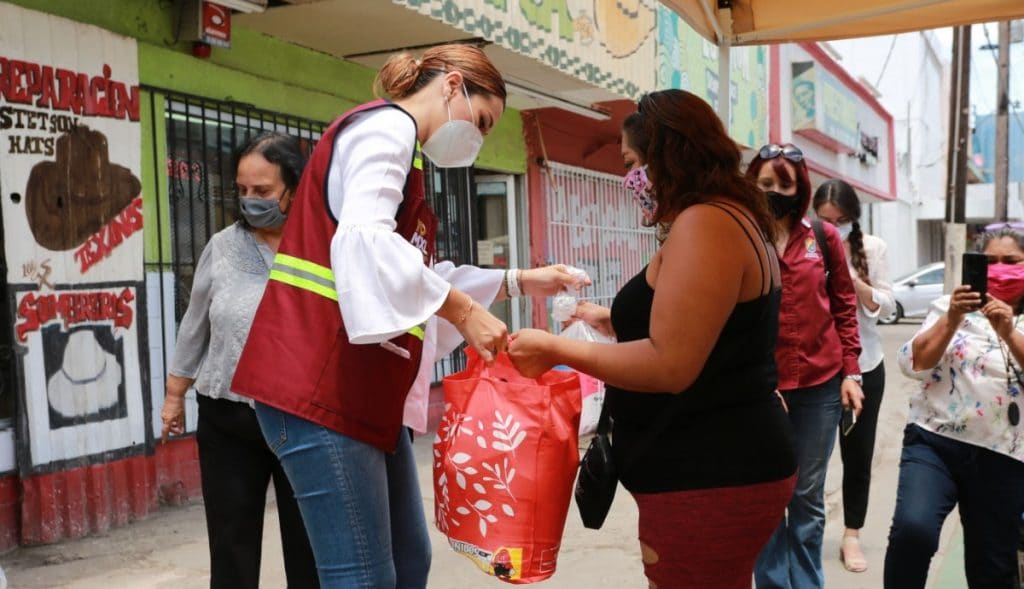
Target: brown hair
(636,135)
(403,75)
(692,159)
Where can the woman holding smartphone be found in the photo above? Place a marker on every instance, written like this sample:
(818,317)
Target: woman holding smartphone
(836,202)
(963,444)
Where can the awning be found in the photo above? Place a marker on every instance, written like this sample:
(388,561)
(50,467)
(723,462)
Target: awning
(760,22)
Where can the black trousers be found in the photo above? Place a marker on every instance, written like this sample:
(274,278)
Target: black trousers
(858,449)
(236,467)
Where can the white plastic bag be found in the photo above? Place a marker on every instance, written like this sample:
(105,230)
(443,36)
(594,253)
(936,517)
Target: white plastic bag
(591,389)
(563,306)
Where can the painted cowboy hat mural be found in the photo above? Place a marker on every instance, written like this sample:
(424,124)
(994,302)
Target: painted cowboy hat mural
(88,379)
(69,199)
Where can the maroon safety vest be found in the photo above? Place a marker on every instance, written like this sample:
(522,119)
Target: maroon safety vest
(298,357)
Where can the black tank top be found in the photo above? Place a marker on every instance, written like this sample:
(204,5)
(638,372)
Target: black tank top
(729,428)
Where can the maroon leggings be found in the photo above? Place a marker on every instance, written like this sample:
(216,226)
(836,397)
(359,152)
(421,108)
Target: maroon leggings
(709,537)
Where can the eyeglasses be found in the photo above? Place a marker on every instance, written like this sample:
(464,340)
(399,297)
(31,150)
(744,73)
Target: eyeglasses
(772,151)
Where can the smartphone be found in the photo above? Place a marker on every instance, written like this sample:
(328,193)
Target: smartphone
(848,421)
(975,273)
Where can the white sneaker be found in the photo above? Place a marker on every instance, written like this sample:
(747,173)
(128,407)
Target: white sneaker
(3,579)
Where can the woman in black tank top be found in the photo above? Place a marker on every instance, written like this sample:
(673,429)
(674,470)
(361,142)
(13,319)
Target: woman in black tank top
(701,439)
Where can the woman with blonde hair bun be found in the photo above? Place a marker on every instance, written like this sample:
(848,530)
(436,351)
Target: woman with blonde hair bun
(340,356)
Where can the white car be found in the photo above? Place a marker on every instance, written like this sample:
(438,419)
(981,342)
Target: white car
(915,292)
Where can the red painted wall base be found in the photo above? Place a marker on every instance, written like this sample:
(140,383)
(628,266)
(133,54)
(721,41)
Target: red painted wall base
(92,499)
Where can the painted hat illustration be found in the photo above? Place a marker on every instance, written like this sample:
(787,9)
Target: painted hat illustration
(88,378)
(69,199)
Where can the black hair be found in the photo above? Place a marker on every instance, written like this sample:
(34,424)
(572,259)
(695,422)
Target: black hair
(280,149)
(841,195)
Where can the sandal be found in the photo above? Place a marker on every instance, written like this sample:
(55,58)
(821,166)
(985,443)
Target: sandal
(854,564)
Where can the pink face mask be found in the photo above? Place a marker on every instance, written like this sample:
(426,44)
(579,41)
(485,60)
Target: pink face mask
(636,181)
(1006,281)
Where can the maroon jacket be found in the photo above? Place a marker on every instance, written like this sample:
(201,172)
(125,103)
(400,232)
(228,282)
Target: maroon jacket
(297,357)
(818,335)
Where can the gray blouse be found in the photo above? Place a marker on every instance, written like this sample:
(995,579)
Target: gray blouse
(226,290)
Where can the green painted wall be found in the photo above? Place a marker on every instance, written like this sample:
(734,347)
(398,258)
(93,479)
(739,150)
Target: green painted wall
(259,70)
(154,178)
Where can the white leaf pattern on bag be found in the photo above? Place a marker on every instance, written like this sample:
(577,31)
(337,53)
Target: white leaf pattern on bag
(507,435)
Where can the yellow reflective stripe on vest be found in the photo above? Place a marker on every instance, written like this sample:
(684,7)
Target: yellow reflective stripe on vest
(304,274)
(304,265)
(417,160)
(304,284)
(316,279)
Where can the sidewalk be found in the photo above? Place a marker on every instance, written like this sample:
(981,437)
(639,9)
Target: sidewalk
(947,565)
(169,550)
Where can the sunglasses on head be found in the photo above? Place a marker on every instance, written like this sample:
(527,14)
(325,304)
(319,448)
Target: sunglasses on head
(772,151)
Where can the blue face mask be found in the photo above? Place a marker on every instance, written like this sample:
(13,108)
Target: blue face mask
(844,230)
(262,213)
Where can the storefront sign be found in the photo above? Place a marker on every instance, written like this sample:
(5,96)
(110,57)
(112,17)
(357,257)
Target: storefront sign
(689,62)
(72,234)
(216,24)
(823,109)
(81,372)
(607,43)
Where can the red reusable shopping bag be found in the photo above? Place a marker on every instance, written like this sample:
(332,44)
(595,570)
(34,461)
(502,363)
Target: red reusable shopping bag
(505,458)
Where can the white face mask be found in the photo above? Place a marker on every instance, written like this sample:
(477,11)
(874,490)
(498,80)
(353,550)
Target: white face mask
(455,144)
(844,230)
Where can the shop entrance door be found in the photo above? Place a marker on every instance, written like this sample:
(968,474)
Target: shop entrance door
(497,245)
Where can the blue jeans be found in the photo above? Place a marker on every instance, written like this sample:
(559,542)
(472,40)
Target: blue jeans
(792,557)
(362,507)
(937,473)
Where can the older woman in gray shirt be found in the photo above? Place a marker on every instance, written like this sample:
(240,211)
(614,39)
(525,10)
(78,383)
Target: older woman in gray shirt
(234,460)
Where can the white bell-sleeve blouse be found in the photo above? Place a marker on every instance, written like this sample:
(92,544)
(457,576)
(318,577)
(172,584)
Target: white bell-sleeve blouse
(384,289)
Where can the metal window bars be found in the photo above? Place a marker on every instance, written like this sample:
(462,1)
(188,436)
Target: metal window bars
(594,224)
(199,199)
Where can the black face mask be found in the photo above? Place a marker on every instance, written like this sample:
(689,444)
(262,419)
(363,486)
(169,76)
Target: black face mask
(781,205)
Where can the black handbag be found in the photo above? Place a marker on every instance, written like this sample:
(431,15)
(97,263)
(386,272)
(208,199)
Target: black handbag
(595,486)
(599,475)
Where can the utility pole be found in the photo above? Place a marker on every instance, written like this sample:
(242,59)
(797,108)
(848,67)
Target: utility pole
(956,166)
(1002,163)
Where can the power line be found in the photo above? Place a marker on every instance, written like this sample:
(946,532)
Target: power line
(885,64)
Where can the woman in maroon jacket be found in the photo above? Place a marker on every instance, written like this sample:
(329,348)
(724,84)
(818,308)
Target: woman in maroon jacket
(816,354)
